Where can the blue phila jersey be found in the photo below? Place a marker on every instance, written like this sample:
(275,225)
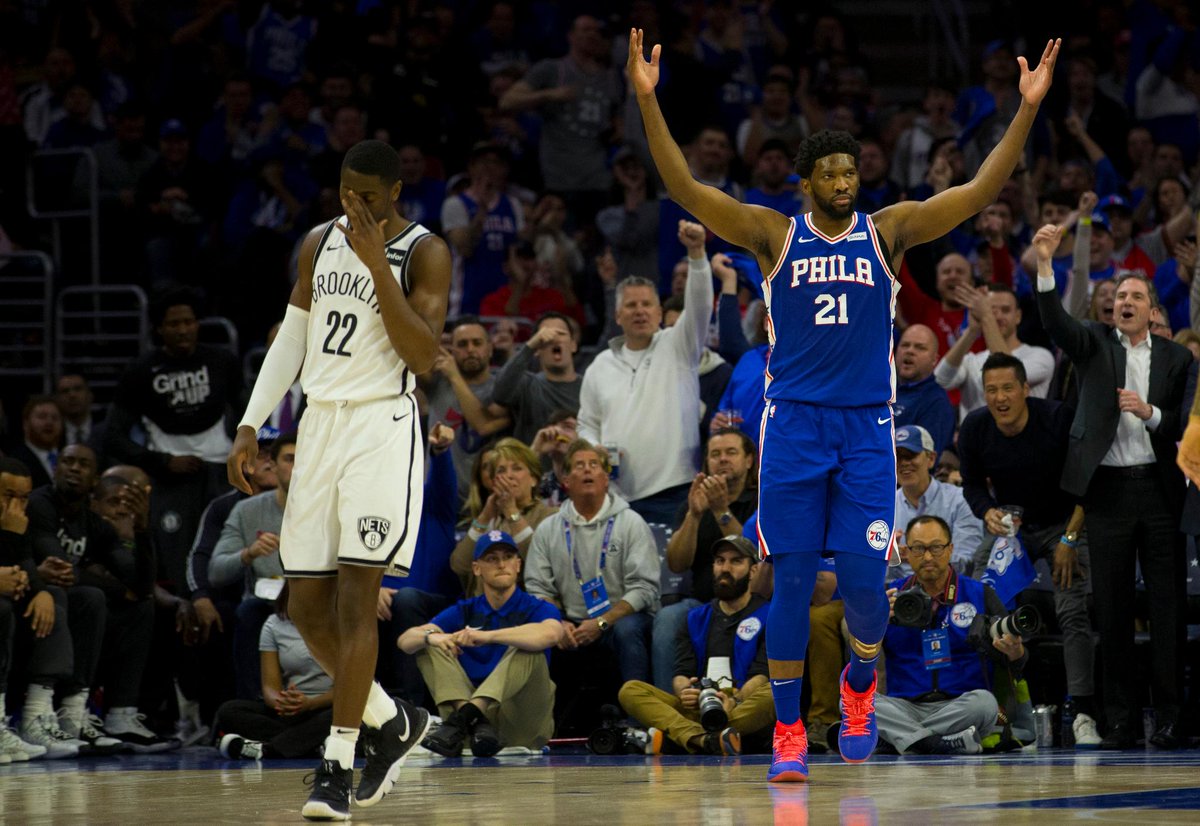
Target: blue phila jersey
(830,307)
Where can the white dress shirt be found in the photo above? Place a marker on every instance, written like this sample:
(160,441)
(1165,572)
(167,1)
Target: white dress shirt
(1132,443)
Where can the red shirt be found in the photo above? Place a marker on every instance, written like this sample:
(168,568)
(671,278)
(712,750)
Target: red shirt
(920,308)
(537,300)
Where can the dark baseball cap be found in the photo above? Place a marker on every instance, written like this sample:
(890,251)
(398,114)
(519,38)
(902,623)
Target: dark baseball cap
(740,544)
(914,439)
(1114,202)
(1100,219)
(491,539)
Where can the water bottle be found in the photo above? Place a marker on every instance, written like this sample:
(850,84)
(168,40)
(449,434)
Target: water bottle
(1068,724)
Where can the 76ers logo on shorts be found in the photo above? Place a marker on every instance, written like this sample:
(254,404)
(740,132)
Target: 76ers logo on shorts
(878,534)
(373,530)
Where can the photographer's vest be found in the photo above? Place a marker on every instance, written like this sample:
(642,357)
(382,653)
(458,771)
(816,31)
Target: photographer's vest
(907,676)
(745,639)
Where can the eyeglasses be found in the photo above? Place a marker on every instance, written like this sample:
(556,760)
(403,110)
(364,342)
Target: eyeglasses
(931,550)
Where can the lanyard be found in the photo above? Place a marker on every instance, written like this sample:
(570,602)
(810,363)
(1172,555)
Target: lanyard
(608,529)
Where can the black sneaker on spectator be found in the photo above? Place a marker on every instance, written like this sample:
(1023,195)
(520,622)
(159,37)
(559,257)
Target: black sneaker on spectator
(447,739)
(485,740)
(386,752)
(43,731)
(330,796)
(130,728)
(236,747)
(85,726)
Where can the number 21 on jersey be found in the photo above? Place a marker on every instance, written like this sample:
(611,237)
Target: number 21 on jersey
(825,306)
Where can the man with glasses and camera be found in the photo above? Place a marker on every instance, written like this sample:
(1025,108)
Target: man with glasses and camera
(944,632)
(724,642)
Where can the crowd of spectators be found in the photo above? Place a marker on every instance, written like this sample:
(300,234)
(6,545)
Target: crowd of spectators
(592,419)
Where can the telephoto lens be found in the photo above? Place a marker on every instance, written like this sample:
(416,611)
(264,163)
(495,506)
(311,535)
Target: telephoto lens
(712,706)
(1023,622)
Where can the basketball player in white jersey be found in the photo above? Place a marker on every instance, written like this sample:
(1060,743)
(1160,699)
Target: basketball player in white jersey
(366,314)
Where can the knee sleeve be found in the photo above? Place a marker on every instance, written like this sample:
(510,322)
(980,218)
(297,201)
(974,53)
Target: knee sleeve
(861,582)
(787,618)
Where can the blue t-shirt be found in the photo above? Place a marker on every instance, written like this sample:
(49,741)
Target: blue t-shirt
(520,609)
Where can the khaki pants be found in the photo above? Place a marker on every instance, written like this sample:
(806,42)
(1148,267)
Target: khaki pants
(662,710)
(825,661)
(520,685)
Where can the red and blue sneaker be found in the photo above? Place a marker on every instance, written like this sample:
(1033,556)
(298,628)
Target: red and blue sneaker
(858,734)
(789,761)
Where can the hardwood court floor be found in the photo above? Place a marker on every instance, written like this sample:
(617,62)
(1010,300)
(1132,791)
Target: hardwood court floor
(580,790)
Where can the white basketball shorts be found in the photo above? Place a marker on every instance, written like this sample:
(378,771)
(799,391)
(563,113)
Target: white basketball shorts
(356,489)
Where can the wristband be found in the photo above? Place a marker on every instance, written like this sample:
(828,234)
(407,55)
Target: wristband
(1070,543)
(1085,221)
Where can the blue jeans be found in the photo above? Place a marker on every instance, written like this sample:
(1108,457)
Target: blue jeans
(629,638)
(252,614)
(669,624)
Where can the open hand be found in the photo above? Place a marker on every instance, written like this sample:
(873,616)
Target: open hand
(642,74)
(1036,83)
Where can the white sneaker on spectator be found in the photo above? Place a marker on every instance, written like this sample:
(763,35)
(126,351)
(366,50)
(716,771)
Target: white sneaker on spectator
(43,730)
(15,750)
(190,730)
(964,742)
(127,725)
(236,747)
(1087,736)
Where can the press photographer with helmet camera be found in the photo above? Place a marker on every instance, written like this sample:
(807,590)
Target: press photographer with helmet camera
(721,691)
(947,634)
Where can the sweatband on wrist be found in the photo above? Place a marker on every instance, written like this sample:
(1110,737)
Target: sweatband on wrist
(279,369)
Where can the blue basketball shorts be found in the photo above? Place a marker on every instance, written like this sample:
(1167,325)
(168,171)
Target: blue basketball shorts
(827,479)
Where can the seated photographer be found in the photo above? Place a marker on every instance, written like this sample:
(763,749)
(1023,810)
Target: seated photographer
(486,659)
(723,640)
(940,645)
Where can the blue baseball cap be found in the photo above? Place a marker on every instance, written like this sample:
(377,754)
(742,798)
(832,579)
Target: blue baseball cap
(914,438)
(1114,202)
(999,44)
(1099,219)
(491,539)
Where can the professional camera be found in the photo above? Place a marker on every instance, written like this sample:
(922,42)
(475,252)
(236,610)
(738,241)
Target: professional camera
(1023,622)
(913,608)
(614,738)
(712,706)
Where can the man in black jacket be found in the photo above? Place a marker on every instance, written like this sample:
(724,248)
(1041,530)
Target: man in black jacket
(108,574)
(1121,462)
(179,395)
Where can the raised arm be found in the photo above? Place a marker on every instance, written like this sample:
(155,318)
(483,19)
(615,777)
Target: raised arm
(914,222)
(758,229)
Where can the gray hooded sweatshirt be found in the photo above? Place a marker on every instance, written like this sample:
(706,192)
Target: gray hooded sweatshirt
(630,571)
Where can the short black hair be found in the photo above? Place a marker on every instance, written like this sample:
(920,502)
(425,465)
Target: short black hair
(174,297)
(372,157)
(824,143)
(464,321)
(13,467)
(571,323)
(996,287)
(772,145)
(673,304)
(282,441)
(1004,361)
(927,517)
(1058,197)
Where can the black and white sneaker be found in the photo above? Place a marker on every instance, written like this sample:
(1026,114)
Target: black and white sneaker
(330,797)
(129,727)
(387,749)
(85,726)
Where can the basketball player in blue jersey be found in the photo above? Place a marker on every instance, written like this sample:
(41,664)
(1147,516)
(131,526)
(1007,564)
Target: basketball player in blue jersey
(827,472)
(366,314)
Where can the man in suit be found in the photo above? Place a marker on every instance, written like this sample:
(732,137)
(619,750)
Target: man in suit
(42,426)
(1121,461)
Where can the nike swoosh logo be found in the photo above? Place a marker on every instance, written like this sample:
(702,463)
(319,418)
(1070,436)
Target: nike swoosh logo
(782,682)
(805,240)
(883,420)
(401,417)
(407,732)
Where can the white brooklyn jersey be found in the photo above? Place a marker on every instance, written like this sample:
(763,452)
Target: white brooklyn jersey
(349,355)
